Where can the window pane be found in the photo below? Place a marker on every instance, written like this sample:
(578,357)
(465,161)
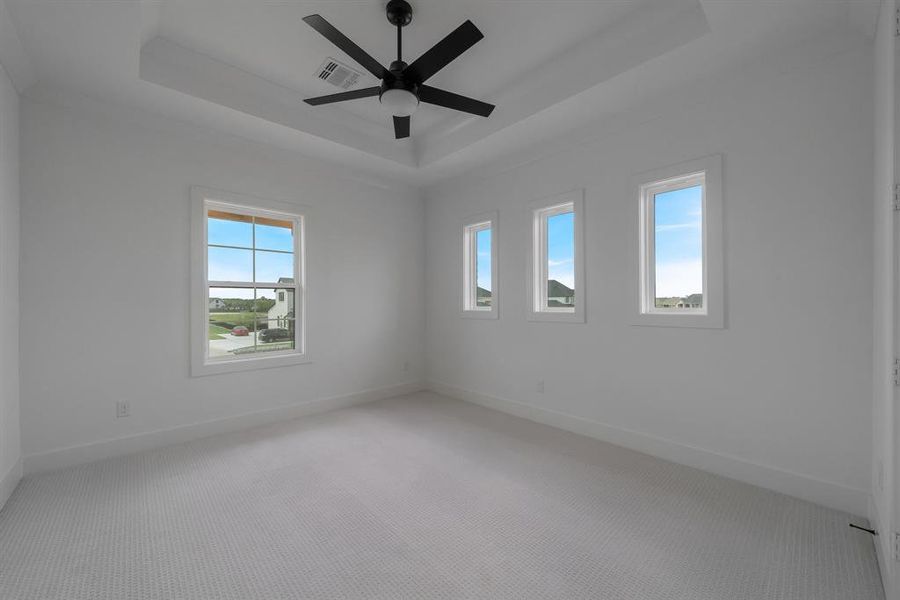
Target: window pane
(231,321)
(275,335)
(229,264)
(273,234)
(678,224)
(561,260)
(274,267)
(275,307)
(275,322)
(228,229)
(483,295)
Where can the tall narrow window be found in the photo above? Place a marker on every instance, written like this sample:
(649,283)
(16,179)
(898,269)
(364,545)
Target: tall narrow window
(675,208)
(556,288)
(479,267)
(252,295)
(680,238)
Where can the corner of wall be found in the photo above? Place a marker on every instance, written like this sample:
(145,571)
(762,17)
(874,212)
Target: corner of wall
(882,510)
(12,52)
(10,202)
(9,481)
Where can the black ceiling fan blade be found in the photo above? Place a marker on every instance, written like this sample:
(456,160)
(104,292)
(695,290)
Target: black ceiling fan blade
(342,96)
(401,127)
(433,95)
(340,40)
(444,52)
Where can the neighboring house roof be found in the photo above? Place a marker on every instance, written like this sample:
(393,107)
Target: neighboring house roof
(483,293)
(557,290)
(672,301)
(283,280)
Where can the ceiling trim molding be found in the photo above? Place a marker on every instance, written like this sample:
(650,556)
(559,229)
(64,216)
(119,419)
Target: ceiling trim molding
(760,73)
(108,113)
(168,64)
(639,37)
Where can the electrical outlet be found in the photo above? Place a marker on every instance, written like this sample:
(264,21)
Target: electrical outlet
(405,367)
(540,386)
(897,546)
(123,409)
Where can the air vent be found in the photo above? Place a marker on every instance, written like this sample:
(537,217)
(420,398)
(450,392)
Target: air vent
(338,74)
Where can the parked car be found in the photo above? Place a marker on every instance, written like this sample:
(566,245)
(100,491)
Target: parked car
(274,335)
(240,331)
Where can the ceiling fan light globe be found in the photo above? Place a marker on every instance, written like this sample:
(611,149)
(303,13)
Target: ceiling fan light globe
(399,102)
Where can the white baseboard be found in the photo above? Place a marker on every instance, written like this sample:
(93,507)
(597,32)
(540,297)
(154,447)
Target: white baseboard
(9,482)
(825,493)
(65,457)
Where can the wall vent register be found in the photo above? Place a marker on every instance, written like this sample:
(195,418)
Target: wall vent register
(338,74)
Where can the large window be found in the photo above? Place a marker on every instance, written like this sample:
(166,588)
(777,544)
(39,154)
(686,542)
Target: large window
(680,245)
(480,298)
(556,290)
(250,265)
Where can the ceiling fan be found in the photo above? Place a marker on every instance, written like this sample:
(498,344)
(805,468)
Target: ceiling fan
(402,85)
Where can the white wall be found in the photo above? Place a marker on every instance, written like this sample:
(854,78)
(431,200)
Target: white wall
(10,463)
(781,397)
(105,281)
(883,464)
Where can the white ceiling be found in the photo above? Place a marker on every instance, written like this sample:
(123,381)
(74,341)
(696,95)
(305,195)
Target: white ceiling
(243,66)
(270,40)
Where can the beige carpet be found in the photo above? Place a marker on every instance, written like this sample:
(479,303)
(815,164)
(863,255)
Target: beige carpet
(418,497)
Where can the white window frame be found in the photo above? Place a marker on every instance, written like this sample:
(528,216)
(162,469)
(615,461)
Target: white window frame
(537,278)
(708,172)
(202,200)
(471,227)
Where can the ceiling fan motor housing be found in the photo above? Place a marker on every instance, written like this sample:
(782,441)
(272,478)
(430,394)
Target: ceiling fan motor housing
(398,81)
(406,101)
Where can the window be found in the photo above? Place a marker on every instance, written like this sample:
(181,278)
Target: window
(556,290)
(680,264)
(249,293)
(480,298)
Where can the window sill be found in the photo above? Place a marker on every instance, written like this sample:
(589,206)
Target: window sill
(479,314)
(696,321)
(557,316)
(204,368)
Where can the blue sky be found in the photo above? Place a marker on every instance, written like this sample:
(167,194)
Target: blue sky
(483,262)
(561,248)
(679,242)
(679,249)
(232,264)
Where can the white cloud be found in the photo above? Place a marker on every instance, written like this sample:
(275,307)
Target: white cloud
(559,263)
(677,226)
(679,278)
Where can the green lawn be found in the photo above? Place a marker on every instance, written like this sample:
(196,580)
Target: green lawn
(233,319)
(217,333)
